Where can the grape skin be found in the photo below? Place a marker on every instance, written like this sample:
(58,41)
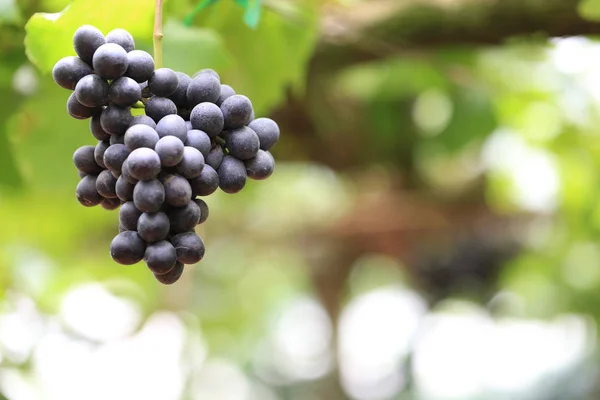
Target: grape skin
(160,257)
(122,38)
(159,107)
(115,120)
(203,210)
(117,139)
(205,87)
(179,97)
(84,160)
(129,215)
(236,111)
(184,219)
(163,82)
(144,164)
(232,175)
(68,71)
(189,247)
(124,189)
(261,166)
(143,120)
(205,184)
(110,61)
(149,196)
(99,152)
(124,92)
(96,128)
(106,184)
(138,136)
(140,66)
(192,163)
(126,173)
(209,71)
(226,92)
(110,203)
(199,140)
(78,110)
(86,41)
(92,91)
(170,150)
(215,157)
(172,125)
(86,192)
(114,157)
(172,276)
(242,143)
(267,131)
(127,248)
(153,227)
(178,191)
(207,117)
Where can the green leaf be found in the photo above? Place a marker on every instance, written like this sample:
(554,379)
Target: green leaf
(252,14)
(50,36)
(189,49)
(589,9)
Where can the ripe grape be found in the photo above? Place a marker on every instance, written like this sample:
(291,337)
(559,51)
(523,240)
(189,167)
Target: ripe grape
(144,164)
(267,131)
(117,139)
(232,175)
(172,125)
(163,82)
(209,71)
(199,140)
(140,66)
(204,87)
(115,120)
(242,143)
(179,97)
(138,136)
(84,160)
(184,219)
(205,184)
(110,61)
(153,227)
(92,91)
(114,157)
(203,210)
(172,276)
(124,92)
(68,71)
(215,157)
(236,110)
(143,120)
(261,166)
(126,173)
(124,189)
(160,257)
(122,38)
(86,41)
(189,247)
(110,203)
(129,215)
(106,184)
(127,248)
(96,128)
(207,117)
(149,196)
(170,150)
(158,107)
(226,92)
(178,191)
(86,192)
(192,163)
(99,152)
(78,110)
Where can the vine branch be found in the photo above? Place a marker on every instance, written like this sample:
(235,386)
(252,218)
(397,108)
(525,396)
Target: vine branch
(158,34)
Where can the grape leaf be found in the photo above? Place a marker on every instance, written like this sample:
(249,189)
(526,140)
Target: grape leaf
(49,36)
(589,9)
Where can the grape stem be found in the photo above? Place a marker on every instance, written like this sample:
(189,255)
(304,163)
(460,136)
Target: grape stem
(158,34)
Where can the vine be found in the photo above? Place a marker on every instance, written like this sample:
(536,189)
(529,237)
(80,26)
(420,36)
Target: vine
(158,34)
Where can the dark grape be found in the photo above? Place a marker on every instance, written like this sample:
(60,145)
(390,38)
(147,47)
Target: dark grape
(179,97)
(84,160)
(226,92)
(172,276)
(86,192)
(99,152)
(114,157)
(232,175)
(267,131)
(86,41)
(127,248)
(92,91)
(189,247)
(124,92)
(215,157)
(170,150)
(242,143)
(106,184)
(178,191)
(110,61)
(149,196)
(153,227)
(122,38)
(207,117)
(205,184)
(117,139)
(129,215)
(188,125)
(110,203)
(209,71)
(184,218)
(144,164)
(140,66)
(124,189)
(203,210)
(172,125)
(69,70)
(160,257)
(126,173)
(159,107)
(78,110)
(96,128)
(138,136)
(121,228)
(199,140)
(143,120)
(236,110)
(115,120)
(192,163)
(163,82)
(261,166)
(81,174)
(203,88)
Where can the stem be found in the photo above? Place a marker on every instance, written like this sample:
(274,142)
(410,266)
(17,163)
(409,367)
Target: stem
(158,34)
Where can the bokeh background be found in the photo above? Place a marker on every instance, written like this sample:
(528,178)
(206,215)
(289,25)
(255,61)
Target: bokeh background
(431,230)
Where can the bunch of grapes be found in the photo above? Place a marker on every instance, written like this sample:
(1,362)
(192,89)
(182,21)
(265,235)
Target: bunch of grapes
(197,135)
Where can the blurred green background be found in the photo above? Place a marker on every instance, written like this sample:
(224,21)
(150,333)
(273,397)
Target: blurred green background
(431,230)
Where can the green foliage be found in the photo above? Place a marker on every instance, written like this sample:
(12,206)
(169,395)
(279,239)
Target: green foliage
(589,9)
(60,27)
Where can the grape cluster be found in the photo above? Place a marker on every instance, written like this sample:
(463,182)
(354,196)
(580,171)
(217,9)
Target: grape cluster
(197,135)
